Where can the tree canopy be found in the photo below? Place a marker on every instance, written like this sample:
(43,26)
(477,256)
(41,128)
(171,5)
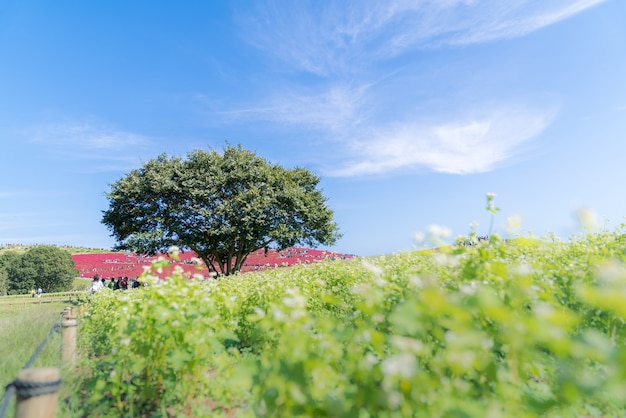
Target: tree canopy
(45,266)
(222,206)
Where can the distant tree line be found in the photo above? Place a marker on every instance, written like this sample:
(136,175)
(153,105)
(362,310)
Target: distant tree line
(44,266)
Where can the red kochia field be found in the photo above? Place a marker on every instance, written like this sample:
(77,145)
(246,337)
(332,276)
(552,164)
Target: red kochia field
(116,264)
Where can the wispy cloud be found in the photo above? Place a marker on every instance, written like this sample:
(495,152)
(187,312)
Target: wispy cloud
(338,107)
(109,148)
(349,47)
(88,137)
(337,37)
(25,220)
(455,147)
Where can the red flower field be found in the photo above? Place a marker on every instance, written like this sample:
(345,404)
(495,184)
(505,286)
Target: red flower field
(116,264)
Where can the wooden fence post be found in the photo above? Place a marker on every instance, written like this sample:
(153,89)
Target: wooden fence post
(69,340)
(37,392)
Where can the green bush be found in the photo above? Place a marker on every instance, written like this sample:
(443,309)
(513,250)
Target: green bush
(504,328)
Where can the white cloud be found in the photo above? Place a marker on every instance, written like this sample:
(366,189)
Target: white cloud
(455,147)
(336,37)
(338,107)
(25,220)
(349,43)
(88,137)
(108,149)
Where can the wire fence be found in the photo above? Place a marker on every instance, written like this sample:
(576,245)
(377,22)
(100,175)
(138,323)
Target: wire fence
(29,389)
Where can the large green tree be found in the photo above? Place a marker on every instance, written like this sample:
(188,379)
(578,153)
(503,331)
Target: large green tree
(6,259)
(45,266)
(223,206)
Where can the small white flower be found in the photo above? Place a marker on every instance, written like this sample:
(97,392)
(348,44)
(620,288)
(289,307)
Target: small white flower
(394,399)
(294,302)
(523,269)
(279,315)
(611,272)
(407,344)
(370,361)
(297,314)
(404,365)
(373,268)
(125,341)
(513,223)
(439,232)
(378,318)
(468,288)
(416,282)
(487,343)
(588,218)
(380,282)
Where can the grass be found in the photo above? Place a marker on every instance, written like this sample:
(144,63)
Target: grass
(23,329)
(81,283)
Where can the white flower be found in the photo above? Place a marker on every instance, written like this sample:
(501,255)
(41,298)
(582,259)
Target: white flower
(404,365)
(407,344)
(125,341)
(378,318)
(380,282)
(468,288)
(394,399)
(279,315)
(416,282)
(294,302)
(513,223)
(373,268)
(370,360)
(588,218)
(441,232)
(611,272)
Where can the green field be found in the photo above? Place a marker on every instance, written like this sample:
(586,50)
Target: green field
(23,329)
(517,328)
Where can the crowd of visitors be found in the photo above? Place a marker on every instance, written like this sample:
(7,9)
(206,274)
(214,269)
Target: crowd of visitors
(121,283)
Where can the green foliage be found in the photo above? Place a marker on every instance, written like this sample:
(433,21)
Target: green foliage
(521,328)
(45,266)
(6,259)
(222,206)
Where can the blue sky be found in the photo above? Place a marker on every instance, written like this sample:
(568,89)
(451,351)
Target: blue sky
(410,111)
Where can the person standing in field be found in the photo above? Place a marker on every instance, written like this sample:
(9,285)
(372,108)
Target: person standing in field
(96,284)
